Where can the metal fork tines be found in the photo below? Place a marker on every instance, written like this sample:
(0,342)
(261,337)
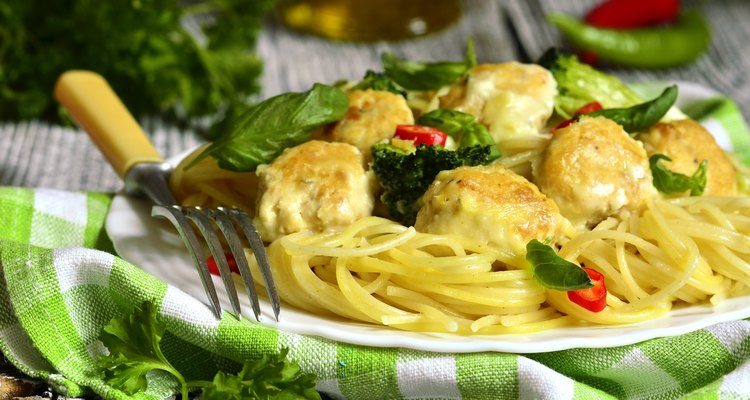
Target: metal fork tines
(226,219)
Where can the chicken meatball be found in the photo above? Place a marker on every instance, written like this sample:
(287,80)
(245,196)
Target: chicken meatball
(492,204)
(688,143)
(372,116)
(316,186)
(593,170)
(511,99)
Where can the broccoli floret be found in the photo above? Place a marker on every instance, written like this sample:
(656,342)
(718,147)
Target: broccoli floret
(405,176)
(579,84)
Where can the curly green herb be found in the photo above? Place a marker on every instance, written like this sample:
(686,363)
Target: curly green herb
(133,344)
(133,341)
(143,49)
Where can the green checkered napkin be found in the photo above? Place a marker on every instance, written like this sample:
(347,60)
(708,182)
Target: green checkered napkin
(60,283)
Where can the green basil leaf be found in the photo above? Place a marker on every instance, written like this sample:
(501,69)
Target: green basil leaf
(667,181)
(271,126)
(461,126)
(379,81)
(704,109)
(553,271)
(415,75)
(641,116)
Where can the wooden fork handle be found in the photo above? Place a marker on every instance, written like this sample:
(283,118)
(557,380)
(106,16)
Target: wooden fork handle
(96,108)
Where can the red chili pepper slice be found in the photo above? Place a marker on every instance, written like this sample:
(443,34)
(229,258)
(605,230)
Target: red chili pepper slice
(587,108)
(625,14)
(214,268)
(594,298)
(421,134)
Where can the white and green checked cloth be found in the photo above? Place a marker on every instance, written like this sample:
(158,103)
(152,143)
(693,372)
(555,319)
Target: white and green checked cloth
(60,283)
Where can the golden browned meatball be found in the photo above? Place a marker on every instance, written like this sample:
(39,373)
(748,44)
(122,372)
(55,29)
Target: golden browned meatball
(593,170)
(688,143)
(492,204)
(511,99)
(372,116)
(316,186)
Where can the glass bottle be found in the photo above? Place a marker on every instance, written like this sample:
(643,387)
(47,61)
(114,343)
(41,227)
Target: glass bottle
(369,20)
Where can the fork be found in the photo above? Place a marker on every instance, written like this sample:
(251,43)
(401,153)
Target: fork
(96,108)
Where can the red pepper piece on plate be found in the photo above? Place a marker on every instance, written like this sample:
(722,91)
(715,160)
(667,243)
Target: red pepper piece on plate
(421,134)
(587,108)
(626,14)
(214,268)
(594,298)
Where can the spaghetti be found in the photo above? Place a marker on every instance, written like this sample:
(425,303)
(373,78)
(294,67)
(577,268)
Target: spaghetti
(207,185)
(669,253)
(381,272)
(679,251)
(691,250)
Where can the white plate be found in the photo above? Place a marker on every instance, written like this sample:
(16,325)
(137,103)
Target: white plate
(157,249)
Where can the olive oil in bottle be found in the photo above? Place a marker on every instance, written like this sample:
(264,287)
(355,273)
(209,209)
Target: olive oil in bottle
(369,20)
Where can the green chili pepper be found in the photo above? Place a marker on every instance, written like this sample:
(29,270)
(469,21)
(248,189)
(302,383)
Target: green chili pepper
(652,47)
(641,116)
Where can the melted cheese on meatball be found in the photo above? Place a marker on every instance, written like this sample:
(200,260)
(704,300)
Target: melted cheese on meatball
(688,143)
(492,204)
(511,99)
(593,170)
(316,186)
(372,117)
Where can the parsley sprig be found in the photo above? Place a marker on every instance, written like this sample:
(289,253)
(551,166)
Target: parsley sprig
(133,341)
(155,63)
